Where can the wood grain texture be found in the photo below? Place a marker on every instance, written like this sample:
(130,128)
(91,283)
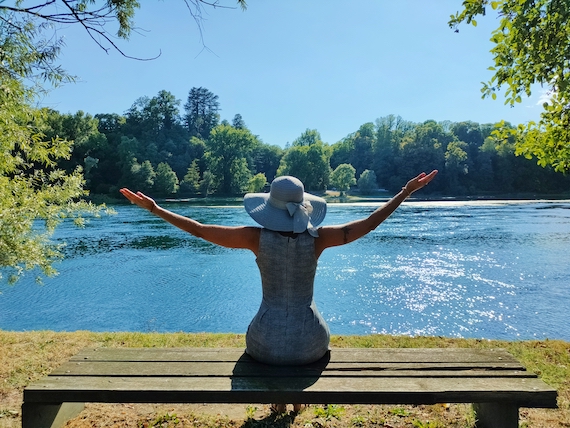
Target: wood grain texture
(346,376)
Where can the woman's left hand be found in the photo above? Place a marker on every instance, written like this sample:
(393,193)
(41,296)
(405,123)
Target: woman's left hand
(139,199)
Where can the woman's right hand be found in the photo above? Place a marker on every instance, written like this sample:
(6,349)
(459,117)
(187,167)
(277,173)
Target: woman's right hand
(139,199)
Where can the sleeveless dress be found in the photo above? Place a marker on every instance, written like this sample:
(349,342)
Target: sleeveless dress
(288,328)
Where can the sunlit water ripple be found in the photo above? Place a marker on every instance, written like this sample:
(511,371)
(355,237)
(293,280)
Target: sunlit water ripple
(496,270)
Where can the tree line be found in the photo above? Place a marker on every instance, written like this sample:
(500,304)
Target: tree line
(165,150)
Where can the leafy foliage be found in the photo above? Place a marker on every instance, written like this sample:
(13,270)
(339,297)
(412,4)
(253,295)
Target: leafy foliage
(367,182)
(343,177)
(43,154)
(472,158)
(531,47)
(227,152)
(166,182)
(257,183)
(191,181)
(93,16)
(202,112)
(308,163)
(32,187)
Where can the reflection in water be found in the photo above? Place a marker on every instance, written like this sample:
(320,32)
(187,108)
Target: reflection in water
(486,270)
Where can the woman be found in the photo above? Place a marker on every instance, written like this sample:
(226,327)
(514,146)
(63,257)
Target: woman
(288,328)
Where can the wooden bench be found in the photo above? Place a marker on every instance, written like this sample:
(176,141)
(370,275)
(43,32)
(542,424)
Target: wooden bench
(493,380)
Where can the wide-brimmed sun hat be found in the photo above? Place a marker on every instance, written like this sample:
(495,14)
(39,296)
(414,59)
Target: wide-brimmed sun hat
(286,208)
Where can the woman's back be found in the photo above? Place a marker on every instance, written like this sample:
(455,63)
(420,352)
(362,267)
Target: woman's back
(288,329)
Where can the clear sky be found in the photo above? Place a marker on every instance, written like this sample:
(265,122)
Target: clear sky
(291,65)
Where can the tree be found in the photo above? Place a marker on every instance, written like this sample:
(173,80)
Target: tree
(343,177)
(94,17)
(456,165)
(202,115)
(82,130)
(342,151)
(309,163)
(106,176)
(390,133)
(227,151)
(363,142)
(35,195)
(257,183)
(191,181)
(530,48)
(157,125)
(425,145)
(238,122)
(367,182)
(207,184)
(265,159)
(153,116)
(308,138)
(166,182)
(145,176)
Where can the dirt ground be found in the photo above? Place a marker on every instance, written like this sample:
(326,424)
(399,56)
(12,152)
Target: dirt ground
(127,415)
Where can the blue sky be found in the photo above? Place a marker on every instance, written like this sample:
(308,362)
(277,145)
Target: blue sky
(291,65)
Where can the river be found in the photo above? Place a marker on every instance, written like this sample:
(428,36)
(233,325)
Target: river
(479,269)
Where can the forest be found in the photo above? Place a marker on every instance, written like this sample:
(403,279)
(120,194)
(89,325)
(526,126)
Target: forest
(166,151)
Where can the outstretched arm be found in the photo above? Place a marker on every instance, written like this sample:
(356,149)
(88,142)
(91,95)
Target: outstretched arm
(232,237)
(331,236)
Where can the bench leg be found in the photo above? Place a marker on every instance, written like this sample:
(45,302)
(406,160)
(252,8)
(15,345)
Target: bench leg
(49,415)
(496,415)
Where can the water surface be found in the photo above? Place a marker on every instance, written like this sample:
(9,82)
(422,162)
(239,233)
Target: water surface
(494,270)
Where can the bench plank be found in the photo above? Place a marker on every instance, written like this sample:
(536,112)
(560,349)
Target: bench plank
(224,369)
(349,355)
(525,392)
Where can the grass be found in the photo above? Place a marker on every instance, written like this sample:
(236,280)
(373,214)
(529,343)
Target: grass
(27,356)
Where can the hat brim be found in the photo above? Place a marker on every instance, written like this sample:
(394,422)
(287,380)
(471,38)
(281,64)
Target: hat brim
(258,207)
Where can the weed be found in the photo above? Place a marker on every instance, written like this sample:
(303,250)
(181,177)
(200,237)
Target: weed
(250,412)
(470,417)
(329,411)
(358,421)
(428,424)
(398,411)
(165,419)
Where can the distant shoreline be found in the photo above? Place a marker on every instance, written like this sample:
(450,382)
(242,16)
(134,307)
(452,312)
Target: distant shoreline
(334,197)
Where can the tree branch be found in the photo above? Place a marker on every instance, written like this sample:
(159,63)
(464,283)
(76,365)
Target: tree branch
(95,21)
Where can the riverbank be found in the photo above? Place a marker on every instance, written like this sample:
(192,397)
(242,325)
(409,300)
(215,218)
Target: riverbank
(334,196)
(27,356)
